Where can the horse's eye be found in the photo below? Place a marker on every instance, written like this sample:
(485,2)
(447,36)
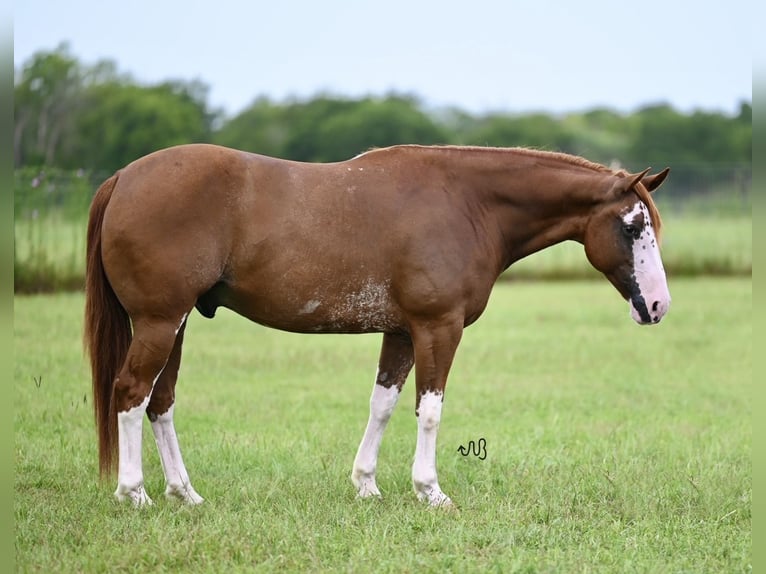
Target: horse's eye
(631,231)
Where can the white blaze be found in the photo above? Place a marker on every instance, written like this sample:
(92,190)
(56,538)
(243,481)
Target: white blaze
(648,268)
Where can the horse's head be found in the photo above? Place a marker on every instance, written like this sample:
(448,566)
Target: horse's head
(622,241)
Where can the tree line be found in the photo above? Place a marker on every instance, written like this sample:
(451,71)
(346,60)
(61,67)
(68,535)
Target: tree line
(70,115)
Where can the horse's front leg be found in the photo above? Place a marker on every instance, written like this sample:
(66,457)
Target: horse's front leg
(435,348)
(395,363)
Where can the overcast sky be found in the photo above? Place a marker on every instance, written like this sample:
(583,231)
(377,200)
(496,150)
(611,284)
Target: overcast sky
(477,55)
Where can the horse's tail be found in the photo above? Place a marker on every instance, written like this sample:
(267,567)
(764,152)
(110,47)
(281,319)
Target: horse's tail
(107,333)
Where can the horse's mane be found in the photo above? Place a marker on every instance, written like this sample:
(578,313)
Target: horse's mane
(574,160)
(641,191)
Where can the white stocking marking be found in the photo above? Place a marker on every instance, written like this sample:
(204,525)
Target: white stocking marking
(424,468)
(176,477)
(130,477)
(382,403)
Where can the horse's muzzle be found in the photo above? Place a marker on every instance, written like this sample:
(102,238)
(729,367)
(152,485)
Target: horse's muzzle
(648,313)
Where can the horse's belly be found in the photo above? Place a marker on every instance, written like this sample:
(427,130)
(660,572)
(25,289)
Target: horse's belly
(364,307)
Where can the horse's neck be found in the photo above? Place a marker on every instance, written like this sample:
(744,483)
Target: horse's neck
(538,204)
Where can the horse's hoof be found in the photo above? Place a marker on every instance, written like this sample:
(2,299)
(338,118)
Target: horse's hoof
(365,485)
(184,493)
(137,496)
(434,497)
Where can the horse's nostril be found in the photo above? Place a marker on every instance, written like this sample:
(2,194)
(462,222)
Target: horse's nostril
(655,305)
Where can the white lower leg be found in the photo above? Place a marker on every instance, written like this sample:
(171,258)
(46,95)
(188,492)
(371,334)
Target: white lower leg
(382,403)
(130,474)
(176,477)
(424,477)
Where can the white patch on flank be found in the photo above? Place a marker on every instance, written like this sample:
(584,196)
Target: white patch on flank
(176,477)
(309,307)
(367,306)
(130,476)
(382,403)
(424,477)
(647,267)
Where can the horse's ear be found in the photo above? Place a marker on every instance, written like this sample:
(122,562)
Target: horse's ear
(634,179)
(652,182)
(625,184)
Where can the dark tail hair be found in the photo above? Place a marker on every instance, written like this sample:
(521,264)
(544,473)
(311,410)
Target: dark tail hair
(107,333)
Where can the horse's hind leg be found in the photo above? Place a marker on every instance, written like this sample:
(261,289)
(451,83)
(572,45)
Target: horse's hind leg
(147,356)
(160,412)
(395,363)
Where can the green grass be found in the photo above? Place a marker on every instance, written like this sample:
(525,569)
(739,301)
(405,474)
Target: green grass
(49,254)
(611,447)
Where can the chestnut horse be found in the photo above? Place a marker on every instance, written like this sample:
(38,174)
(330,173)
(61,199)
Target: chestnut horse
(406,241)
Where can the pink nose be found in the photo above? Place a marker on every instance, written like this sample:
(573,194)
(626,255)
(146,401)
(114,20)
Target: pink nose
(658,309)
(651,315)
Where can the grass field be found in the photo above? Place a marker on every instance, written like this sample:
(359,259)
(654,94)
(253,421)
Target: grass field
(610,447)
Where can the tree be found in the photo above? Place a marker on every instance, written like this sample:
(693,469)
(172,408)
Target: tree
(69,115)
(46,101)
(535,130)
(600,134)
(701,147)
(122,122)
(261,128)
(328,128)
(305,119)
(375,123)
(74,116)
